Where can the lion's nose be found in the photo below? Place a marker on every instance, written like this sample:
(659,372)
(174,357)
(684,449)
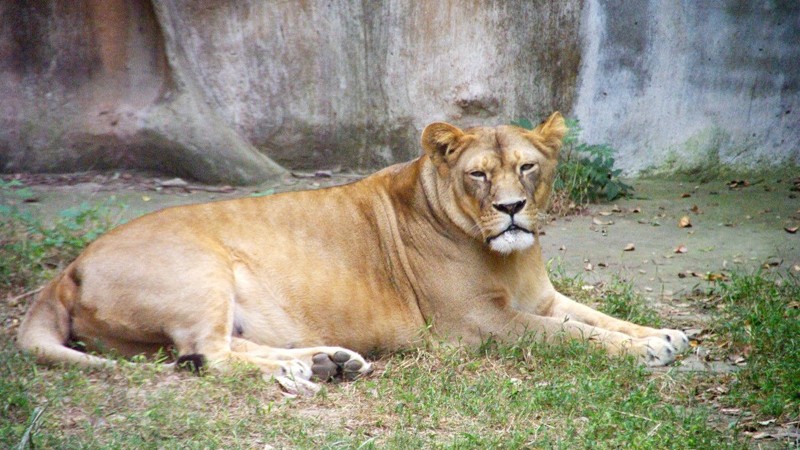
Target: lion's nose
(510,208)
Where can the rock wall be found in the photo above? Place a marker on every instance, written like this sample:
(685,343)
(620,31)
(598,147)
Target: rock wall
(216,90)
(352,83)
(690,85)
(96,84)
(235,92)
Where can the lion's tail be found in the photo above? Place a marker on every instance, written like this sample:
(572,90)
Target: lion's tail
(45,330)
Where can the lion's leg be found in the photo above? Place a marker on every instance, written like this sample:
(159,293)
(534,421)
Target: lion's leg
(510,325)
(566,308)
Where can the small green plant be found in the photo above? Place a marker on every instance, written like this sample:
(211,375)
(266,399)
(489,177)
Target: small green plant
(31,250)
(585,172)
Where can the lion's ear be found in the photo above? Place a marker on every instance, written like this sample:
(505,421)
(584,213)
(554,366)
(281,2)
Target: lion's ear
(550,134)
(441,141)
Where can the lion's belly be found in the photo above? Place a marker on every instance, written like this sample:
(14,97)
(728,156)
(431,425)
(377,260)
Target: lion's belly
(294,307)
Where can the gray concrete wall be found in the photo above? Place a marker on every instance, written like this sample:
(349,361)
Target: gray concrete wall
(220,90)
(352,83)
(693,83)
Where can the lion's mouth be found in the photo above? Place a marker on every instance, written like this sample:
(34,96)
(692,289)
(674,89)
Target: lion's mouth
(512,229)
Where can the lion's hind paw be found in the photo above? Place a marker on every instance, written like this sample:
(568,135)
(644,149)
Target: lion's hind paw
(341,363)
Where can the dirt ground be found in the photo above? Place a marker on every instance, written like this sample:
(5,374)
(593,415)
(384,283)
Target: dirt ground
(670,240)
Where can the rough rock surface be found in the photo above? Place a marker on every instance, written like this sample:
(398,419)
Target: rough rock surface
(218,90)
(99,84)
(234,92)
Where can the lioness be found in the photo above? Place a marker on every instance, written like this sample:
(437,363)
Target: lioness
(297,283)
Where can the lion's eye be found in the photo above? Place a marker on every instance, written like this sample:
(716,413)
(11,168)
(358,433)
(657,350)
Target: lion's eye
(527,167)
(478,175)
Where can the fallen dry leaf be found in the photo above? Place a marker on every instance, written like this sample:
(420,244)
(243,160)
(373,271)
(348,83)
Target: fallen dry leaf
(695,209)
(681,249)
(588,267)
(686,195)
(792,229)
(597,221)
(629,248)
(636,210)
(685,222)
(616,209)
(736,184)
(716,277)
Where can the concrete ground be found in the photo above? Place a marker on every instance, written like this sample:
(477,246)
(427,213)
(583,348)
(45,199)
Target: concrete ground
(739,228)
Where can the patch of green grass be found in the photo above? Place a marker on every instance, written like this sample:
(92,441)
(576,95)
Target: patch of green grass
(499,396)
(761,319)
(31,251)
(617,298)
(520,395)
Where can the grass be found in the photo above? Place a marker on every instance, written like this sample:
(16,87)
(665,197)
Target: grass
(31,251)
(500,396)
(760,319)
(525,395)
(616,298)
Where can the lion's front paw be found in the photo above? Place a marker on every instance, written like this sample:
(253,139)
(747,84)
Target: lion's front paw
(343,363)
(677,338)
(656,351)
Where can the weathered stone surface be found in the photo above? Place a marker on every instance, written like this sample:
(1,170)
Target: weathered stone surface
(690,85)
(217,91)
(95,84)
(351,84)
(210,90)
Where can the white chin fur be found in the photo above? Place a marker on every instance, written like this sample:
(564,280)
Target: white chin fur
(512,241)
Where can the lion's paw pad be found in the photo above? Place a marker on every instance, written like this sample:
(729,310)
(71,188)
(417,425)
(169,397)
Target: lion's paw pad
(344,364)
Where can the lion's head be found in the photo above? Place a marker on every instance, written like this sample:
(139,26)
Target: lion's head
(495,181)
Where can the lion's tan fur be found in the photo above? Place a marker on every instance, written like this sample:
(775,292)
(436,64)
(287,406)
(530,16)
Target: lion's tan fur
(379,264)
